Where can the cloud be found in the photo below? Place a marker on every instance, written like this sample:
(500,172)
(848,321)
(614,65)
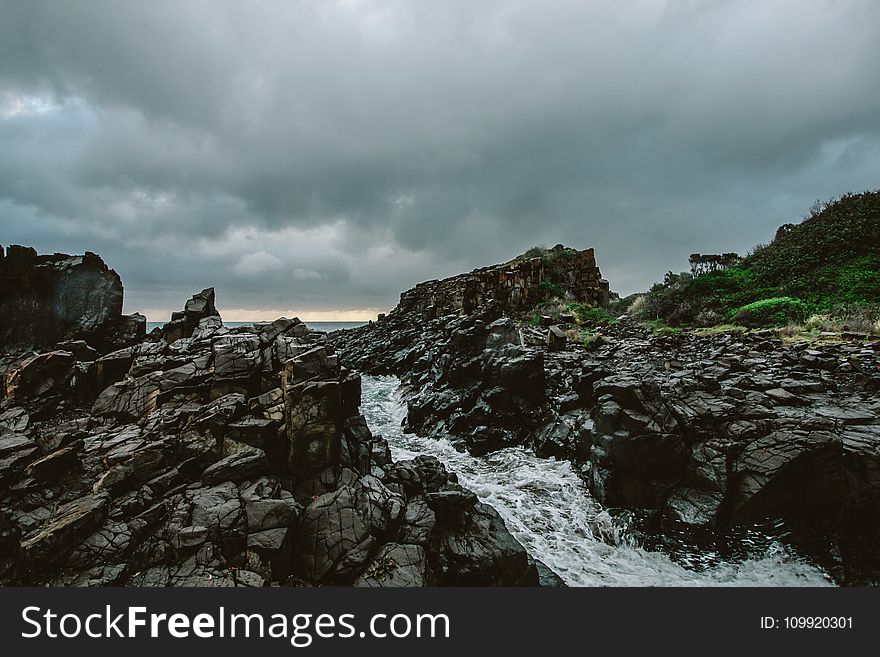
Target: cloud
(257,263)
(251,146)
(306,274)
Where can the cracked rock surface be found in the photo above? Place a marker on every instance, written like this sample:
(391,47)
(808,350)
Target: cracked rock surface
(699,434)
(209,456)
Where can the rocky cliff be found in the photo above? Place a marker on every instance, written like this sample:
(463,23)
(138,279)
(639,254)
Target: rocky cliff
(48,298)
(702,435)
(515,286)
(212,456)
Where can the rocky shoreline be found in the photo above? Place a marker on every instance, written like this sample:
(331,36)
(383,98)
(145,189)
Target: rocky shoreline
(201,455)
(699,433)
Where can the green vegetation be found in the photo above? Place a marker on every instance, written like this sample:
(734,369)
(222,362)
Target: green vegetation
(828,264)
(556,261)
(585,314)
(551,288)
(772,312)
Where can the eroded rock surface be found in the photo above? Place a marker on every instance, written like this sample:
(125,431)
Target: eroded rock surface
(210,456)
(45,299)
(703,432)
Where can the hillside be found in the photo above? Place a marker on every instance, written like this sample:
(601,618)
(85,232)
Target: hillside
(829,263)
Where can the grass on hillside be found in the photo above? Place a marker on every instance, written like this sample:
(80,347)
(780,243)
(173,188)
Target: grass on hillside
(828,265)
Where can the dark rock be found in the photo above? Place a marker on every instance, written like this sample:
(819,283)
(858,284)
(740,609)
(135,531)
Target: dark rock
(238,467)
(337,523)
(397,565)
(42,375)
(54,297)
(71,524)
(481,552)
(55,464)
(183,324)
(556,338)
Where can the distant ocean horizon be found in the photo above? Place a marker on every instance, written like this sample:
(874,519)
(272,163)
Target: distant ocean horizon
(317,326)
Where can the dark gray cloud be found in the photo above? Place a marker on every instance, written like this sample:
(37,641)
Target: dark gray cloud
(322,156)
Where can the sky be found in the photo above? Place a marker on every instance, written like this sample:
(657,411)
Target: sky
(317,158)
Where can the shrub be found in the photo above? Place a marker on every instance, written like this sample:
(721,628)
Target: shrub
(776,311)
(585,314)
(830,259)
(552,289)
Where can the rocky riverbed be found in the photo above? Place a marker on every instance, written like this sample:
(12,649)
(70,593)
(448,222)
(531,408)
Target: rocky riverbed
(200,454)
(699,435)
(204,455)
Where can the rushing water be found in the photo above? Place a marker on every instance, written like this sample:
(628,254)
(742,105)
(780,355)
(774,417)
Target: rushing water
(550,511)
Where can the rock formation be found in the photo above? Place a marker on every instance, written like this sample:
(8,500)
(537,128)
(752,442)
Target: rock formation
(514,286)
(212,456)
(184,322)
(48,298)
(700,434)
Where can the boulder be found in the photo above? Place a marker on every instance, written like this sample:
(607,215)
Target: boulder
(49,298)
(43,375)
(240,466)
(340,524)
(183,324)
(397,565)
(71,524)
(556,338)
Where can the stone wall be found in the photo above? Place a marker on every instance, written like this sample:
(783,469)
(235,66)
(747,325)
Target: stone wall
(517,285)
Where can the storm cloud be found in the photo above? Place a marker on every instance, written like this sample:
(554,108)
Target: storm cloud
(319,157)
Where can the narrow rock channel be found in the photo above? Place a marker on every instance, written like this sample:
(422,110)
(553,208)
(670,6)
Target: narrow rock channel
(550,511)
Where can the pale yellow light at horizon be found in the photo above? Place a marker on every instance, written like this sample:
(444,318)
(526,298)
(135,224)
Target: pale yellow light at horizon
(269,314)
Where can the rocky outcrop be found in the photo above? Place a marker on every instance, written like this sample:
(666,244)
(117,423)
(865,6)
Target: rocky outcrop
(701,434)
(183,323)
(224,457)
(58,297)
(515,286)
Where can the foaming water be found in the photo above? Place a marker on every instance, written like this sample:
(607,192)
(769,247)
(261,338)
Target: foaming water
(549,510)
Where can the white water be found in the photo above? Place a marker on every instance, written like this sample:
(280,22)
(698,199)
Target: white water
(549,510)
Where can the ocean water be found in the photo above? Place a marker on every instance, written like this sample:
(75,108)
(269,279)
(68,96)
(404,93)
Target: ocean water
(318,326)
(549,510)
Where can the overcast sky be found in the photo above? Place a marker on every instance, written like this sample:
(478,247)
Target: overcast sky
(316,158)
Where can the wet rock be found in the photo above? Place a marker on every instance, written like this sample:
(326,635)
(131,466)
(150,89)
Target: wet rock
(70,525)
(238,467)
(42,375)
(481,552)
(397,565)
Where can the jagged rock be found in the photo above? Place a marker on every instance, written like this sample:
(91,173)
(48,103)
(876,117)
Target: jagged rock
(42,375)
(705,431)
(80,350)
(70,525)
(236,355)
(786,472)
(55,464)
(54,297)
(481,552)
(397,565)
(418,524)
(547,578)
(515,286)
(556,338)
(337,523)
(183,324)
(237,467)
